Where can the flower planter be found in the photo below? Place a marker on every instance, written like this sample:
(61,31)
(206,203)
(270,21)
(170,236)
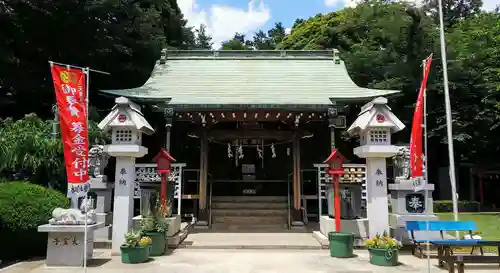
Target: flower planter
(341,244)
(134,255)
(383,257)
(159,243)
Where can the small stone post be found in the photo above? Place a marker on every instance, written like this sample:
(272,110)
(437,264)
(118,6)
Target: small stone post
(98,160)
(127,124)
(374,126)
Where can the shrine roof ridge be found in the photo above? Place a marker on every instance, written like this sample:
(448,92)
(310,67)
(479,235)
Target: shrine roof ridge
(249,54)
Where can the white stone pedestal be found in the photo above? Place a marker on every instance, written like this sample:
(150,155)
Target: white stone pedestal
(65,243)
(103,191)
(123,208)
(408,205)
(377,203)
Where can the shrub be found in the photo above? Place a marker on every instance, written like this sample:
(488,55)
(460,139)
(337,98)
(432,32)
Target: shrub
(23,207)
(463,206)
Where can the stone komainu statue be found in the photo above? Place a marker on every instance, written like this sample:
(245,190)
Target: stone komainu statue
(402,163)
(98,160)
(62,216)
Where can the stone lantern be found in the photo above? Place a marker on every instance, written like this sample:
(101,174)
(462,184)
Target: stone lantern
(163,165)
(127,125)
(374,125)
(335,161)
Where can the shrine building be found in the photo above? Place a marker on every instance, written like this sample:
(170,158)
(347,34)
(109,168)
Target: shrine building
(250,131)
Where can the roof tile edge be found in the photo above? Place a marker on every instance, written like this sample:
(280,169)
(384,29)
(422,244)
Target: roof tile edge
(248,54)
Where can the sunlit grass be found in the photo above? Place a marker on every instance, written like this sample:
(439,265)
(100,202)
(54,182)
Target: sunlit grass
(488,225)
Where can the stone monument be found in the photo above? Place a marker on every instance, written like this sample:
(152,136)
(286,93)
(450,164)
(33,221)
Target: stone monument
(98,160)
(374,125)
(66,235)
(127,124)
(411,199)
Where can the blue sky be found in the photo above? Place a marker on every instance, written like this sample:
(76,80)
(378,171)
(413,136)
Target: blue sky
(225,17)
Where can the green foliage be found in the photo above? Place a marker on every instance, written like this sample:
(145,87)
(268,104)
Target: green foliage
(463,206)
(474,80)
(23,207)
(202,39)
(453,10)
(148,223)
(121,37)
(132,238)
(27,147)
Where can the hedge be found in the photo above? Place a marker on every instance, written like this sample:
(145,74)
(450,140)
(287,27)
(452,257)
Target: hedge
(23,207)
(463,206)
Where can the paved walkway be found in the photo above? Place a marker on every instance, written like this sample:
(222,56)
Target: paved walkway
(243,261)
(239,240)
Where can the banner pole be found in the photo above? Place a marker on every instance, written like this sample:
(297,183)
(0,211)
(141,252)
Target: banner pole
(449,133)
(85,235)
(426,174)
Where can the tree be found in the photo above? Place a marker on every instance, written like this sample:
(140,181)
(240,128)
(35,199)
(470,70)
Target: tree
(474,80)
(237,43)
(28,149)
(276,34)
(203,40)
(262,42)
(85,33)
(269,41)
(453,10)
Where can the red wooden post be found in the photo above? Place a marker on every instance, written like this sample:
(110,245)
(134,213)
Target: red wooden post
(335,169)
(163,165)
(336,183)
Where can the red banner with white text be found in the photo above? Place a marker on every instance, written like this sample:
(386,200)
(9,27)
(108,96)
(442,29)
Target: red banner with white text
(416,155)
(69,85)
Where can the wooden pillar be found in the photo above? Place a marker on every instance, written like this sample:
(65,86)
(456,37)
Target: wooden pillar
(203,212)
(296,212)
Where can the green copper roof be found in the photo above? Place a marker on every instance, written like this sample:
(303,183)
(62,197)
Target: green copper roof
(197,77)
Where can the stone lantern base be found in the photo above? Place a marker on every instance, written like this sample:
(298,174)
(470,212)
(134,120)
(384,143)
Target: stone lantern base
(410,205)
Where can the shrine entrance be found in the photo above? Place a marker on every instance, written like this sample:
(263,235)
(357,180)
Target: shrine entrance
(250,184)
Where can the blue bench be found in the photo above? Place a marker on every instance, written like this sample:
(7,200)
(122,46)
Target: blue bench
(443,227)
(445,246)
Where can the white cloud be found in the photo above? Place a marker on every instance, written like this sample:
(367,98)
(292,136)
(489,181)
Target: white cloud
(490,4)
(332,3)
(288,30)
(223,21)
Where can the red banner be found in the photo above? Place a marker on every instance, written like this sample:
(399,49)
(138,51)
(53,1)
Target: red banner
(69,85)
(416,162)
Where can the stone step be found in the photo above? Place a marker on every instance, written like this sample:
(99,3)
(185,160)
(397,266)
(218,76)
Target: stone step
(250,212)
(249,228)
(249,205)
(250,198)
(250,220)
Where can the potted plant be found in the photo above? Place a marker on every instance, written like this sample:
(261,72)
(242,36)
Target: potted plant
(135,249)
(154,226)
(383,250)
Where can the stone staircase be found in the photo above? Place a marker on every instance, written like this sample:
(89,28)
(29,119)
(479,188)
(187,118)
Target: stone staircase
(250,213)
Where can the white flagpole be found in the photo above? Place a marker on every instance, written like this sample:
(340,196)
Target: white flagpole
(451,153)
(426,175)
(85,235)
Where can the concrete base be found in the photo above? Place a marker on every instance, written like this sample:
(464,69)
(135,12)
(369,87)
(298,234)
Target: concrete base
(65,244)
(398,223)
(106,232)
(358,226)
